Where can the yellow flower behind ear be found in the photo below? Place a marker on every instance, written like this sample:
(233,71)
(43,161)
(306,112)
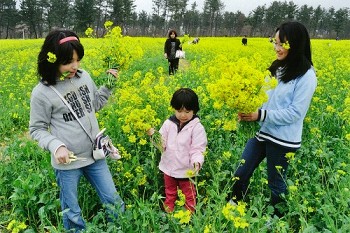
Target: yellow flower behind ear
(51,57)
(286,45)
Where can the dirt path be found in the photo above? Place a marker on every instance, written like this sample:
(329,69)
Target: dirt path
(184,65)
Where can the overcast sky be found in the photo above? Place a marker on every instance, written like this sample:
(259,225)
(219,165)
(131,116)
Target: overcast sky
(247,6)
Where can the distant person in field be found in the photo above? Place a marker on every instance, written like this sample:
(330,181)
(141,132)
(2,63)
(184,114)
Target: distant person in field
(57,130)
(244,40)
(183,143)
(281,117)
(195,40)
(172,44)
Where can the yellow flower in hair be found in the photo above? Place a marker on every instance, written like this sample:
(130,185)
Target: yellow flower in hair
(51,57)
(286,45)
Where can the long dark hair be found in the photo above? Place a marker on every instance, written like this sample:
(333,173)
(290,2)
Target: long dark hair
(298,60)
(49,72)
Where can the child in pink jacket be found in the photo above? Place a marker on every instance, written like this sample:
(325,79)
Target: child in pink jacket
(184,141)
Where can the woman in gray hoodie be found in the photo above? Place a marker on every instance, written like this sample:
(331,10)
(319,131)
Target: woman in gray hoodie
(57,130)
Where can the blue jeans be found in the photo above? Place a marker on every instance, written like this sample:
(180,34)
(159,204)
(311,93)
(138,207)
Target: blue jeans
(253,154)
(100,178)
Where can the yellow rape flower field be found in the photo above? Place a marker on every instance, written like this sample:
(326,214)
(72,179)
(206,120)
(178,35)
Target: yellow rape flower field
(228,78)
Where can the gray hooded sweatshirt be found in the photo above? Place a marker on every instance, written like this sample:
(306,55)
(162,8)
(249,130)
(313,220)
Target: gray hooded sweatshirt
(53,125)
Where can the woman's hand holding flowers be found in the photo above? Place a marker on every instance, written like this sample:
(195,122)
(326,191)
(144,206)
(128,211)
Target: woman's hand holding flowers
(248,116)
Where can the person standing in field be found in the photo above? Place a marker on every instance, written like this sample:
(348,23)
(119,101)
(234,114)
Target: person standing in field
(244,40)
(57,130)
(184,142)
(281,117)
(172,44)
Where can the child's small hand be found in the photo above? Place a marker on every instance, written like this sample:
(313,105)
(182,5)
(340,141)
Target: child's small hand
(150,132)
(197,167)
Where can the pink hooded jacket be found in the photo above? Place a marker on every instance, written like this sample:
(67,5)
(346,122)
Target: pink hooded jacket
(182,149)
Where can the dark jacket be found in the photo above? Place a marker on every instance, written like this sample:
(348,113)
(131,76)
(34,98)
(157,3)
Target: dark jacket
(167,47)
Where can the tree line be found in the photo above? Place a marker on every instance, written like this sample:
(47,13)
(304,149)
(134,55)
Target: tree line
(34,18)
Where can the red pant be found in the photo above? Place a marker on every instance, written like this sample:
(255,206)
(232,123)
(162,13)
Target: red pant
(187,188)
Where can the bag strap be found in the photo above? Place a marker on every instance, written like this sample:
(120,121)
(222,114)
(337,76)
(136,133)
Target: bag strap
(70,109)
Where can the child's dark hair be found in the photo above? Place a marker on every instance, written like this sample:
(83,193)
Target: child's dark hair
(62,49)
(171,31)
(185,98)
(298,60)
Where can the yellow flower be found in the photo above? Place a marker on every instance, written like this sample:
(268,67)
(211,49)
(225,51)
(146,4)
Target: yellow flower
(143,180)
(227,155)
(134,192)
(182,198)
(88,32)
(264,181)
(51,57)
(347,136)
(207,228)
(236,213)
(143,141)
(108,24)
(132,138)
(290,156)
(341,172)
(293,188)
(218,162)
(230,125)
(286,45)
(190,173)
(15,226)
(138,169)
(330,109)
(279,168)
(128,175)
(126,128)
(183,216)
(160,70)
(202,183)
